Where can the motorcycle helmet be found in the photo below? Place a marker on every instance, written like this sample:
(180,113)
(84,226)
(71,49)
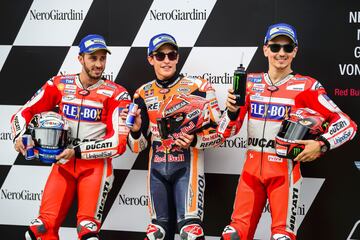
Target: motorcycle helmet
(182,113)
(301,124)
(50,133)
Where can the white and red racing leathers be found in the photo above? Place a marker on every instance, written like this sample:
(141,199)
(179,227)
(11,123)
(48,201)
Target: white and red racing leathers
(174,172)
(265,175)
(97,134)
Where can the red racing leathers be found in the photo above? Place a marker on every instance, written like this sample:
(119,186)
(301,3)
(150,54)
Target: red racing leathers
(266,175)
(174,172)
(97,134)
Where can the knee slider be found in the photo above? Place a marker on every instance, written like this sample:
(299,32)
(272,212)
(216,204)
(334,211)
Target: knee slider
(230,233)
(88,230)
(279,236)
(36,229)
(192,232)
(155,232)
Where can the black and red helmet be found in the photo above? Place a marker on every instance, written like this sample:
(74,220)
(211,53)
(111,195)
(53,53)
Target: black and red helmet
(301,124)
(182,113)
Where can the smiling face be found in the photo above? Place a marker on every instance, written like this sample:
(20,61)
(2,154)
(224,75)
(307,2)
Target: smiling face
(93,64)
(280,60)
(166,68)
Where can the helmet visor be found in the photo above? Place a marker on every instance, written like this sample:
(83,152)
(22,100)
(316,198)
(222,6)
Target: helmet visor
(294,131)
(49,138)
(170,125)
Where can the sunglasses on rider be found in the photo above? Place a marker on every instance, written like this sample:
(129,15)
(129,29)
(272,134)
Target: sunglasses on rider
(160,56)
(275,47)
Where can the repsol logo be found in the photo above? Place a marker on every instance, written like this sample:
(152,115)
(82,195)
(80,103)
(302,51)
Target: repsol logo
(210,143)
(201,189)
(237,142)
(178,15)
(25,195)
(56,15)
(269,111)
(261,142)
(85,113)
(101,145)
(337,126)
(295,199)
(133,201)
(153,106)
(104,194)
(5,136)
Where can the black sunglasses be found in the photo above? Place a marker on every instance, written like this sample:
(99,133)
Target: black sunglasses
(160,56)
(275,47)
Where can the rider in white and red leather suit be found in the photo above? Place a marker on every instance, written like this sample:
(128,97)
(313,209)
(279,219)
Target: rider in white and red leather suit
(97,135)
(265,175)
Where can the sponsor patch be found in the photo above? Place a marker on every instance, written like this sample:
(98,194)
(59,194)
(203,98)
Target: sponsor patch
(147,87)
(70,86)
(153,106)
(68,97)
(337,126)
(69,91)
(328,103)
(256,97)
(124,96)
(85,113)
(164,90)
(269,111)
(281,150)
(296,87)
(272,158)
(105,92)
(343,138)
(183,90)
(60,86)
(151,99)
(193,114)
(67,81)
(51,124)
(149,93)
(258,90)
(255,79)
(186,82)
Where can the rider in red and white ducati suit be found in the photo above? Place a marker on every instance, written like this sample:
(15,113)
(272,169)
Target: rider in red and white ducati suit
(97,134)
(265,175)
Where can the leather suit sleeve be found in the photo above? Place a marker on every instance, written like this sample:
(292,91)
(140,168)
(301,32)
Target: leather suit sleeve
(138,140)
(45,99)
(114,141)
(340,129)
(209,137)
(229,127)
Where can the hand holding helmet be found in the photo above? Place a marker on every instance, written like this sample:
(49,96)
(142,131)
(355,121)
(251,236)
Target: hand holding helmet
(50,132)
(301,125)
(181,114)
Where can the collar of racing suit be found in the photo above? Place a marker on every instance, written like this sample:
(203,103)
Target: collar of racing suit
(281,81)
(166,83)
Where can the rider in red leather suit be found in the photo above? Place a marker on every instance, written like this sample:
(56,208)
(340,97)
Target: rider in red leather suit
(269,97)
(92,106)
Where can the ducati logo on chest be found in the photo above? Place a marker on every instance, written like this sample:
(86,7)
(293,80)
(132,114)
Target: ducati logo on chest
(84,92)
(272,88)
